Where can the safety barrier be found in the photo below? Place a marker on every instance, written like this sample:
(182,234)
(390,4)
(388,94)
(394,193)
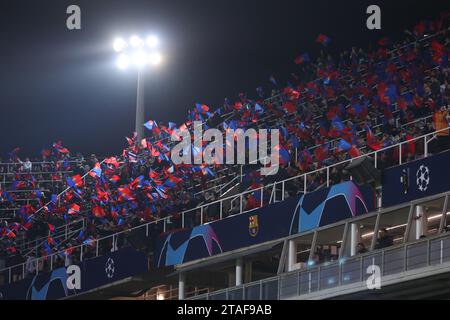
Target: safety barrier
(166,224)
(302,179)
(295,285)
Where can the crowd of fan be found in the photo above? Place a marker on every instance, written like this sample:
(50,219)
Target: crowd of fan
(336,110)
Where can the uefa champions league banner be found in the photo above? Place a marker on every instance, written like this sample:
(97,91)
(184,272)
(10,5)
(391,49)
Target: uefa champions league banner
(295,215)
(75,279)
(416,180)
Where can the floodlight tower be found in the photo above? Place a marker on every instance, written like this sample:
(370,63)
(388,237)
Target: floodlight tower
(139,53)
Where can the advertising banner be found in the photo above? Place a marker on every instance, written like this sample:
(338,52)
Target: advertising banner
(417,179)
(295,215)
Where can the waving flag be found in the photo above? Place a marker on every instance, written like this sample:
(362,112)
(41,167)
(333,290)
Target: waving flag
(10,233)
(98,212)
(289,106)
(419,29)
(343,145)
(46,153)
(303,58)
(89,241)
(74,209)
(384,42)
(260,92)
(207,171)
(323,40)
(75,181)
(126,193)
(58,146)
(285,157)
(202,108)
(172,125)
(96,171)
(337,124)
(113,161)
(114,179)
(321,153)
(37,194)
(54,198)
(354,152)
(152,126)
(258,108)
(273,81)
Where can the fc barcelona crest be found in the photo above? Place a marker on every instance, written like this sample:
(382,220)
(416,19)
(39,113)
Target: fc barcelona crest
(253,225)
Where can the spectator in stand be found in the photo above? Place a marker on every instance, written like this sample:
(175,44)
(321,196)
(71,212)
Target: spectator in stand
(93,160)
(27,165)
(30,266)
(332,102)
(441,119)
(385,239)
(361,248)
(318,255)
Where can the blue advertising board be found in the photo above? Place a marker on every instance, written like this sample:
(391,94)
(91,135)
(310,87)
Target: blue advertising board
(295,215)
(417,179)
(91,274)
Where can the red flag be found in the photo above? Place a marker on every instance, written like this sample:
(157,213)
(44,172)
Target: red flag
(73,209)
(411,145)
(354,152)
(98,212)
(289,106)
(112,161)
(51,227)
(321,153)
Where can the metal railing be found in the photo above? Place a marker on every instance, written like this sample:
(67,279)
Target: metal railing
(38,163)
(5,182)
(166,224)
(61,233)
(301,283)
(277,98)
(303,179)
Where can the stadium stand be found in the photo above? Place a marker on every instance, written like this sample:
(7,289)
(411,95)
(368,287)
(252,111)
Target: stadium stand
(390,105)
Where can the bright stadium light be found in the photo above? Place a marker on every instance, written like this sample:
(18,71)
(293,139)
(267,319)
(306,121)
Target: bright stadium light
(135,41)
(123,62)
(119,44)
(152,41)
(155,58)
(140,58)
(138,53)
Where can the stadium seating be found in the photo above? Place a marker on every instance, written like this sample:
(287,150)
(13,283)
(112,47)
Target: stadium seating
(362,104)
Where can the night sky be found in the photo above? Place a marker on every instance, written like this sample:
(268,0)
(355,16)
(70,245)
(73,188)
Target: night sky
(61,84)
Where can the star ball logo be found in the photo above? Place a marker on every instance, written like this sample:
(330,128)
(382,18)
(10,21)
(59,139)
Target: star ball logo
(423,178)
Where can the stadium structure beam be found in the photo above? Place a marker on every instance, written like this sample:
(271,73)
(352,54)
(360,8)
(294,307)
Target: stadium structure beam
(140,105)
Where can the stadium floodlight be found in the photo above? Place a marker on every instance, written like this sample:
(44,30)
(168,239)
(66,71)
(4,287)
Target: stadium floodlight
(140,58)
(138,53)
(155,58)
(152,41)
(136,42)
(123,61)
(119,44)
